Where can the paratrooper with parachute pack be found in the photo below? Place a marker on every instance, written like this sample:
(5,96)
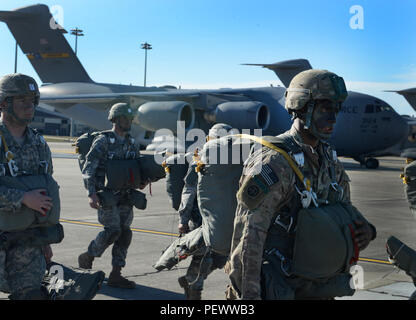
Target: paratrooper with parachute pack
(111,173)
(29,196)
(296,234)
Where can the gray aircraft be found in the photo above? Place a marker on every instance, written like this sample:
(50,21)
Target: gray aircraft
(406,147)
(365,125)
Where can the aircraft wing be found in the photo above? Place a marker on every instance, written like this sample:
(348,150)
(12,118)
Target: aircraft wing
(408,94)
(142,97)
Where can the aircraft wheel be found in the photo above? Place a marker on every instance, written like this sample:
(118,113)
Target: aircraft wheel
(372,163)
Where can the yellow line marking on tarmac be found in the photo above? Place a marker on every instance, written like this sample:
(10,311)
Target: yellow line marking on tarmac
(132,229)
(177,235)
(63,151)
(375,261)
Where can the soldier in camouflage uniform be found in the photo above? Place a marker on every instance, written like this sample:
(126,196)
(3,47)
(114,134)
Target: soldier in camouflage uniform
(200,266)
(116,144)
(268,201)
(23,265)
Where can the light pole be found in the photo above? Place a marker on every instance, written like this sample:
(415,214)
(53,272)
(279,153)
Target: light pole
(146,46)
(77,33)
(15,59)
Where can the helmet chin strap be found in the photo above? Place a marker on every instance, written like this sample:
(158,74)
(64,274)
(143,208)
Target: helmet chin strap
(309,113)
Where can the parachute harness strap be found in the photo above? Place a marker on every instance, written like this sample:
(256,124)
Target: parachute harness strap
(306,182)
(307,195)
(9,157)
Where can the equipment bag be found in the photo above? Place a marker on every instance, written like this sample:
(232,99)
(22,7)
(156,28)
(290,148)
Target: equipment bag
(67,283)
(150,170)
(26,217)
(180,249)
(402,256)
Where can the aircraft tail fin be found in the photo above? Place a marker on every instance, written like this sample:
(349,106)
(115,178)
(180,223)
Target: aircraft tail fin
(42,41)
(286,70)
(409,95)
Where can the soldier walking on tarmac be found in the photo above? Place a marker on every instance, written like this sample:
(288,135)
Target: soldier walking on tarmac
(116,144)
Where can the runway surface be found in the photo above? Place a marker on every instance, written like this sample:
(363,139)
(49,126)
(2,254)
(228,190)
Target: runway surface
(377,193)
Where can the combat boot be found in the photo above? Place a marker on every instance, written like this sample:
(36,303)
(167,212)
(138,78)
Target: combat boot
(190,294)
(117,280)
(85,260)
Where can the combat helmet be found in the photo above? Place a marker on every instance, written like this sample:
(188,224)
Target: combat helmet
(218,130)
(121,109)
(309,86)
(17,84)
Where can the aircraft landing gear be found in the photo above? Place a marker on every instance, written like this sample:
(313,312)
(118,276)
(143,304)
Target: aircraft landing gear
(369,163)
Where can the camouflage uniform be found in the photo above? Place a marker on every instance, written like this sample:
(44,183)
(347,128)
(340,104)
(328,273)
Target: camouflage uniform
(269,199)
(22,267)
(251,226)
(116,220)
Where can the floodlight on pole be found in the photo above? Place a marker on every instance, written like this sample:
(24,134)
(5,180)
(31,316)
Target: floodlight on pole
(77,33)
(146,46)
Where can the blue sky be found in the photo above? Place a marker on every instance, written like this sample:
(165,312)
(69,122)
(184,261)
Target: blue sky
(201,43)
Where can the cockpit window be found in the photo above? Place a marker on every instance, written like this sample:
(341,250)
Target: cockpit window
(378,108)
(369,108)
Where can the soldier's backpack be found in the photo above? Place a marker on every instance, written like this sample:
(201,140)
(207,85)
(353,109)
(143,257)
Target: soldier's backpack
(67,283)
(83,145)
(220,170)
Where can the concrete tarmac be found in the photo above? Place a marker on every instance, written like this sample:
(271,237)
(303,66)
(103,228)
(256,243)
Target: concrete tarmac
(377,193)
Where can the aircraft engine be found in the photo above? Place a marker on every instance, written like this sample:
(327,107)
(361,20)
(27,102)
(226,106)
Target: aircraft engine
(165,114)
(242,114)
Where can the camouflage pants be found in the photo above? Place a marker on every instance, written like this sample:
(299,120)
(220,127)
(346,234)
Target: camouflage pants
(22,269)
(116,221)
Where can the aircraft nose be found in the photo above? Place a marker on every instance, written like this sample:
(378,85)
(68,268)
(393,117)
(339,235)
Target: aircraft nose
(399,129)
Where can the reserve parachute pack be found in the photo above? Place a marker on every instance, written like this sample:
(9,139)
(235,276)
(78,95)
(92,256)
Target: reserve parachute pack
(24,217)
(121,174)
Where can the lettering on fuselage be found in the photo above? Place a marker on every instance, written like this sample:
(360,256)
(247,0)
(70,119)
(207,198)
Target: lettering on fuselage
(369,125)
(349,109)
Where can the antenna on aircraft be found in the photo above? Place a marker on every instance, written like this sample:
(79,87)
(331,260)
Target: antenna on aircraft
(146,46)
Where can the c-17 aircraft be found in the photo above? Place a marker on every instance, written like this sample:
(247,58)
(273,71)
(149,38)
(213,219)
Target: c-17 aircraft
(364,126)
(406,147)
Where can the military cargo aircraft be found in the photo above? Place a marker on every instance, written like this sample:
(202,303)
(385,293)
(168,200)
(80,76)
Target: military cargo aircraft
(365,124)
(406,147)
